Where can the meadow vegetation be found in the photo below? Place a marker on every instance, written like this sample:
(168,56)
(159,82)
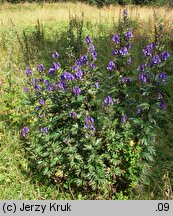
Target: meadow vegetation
(29,34)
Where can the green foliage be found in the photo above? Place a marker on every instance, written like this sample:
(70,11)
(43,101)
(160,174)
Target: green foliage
(92,134)
(18,181)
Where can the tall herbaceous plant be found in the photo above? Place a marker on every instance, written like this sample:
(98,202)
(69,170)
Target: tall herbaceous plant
(93,136)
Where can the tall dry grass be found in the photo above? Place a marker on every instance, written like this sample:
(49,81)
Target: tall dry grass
(28,13)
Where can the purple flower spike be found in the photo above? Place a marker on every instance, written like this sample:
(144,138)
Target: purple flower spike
(28,71)
(111,66)
(108,101)
(77,91)
(25,131)
(116,39)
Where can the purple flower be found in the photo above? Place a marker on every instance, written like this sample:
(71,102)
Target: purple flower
(108,101)
(116,39)
(129,61)
(124,119)
(142,67)
(162,76)
(94,55)
(25,131)
(89,123)
(49,87)
(97,84)
(111,66)
(147,51)
(91,47)
(46,82)
(76,90)
(92,65)
(115,52)
(55,55)
(88,39)
(139,110)
(41,101)
(79,74)
(129,34)
(165,55)
(143,77)
(26,89)
(61,85)
(37,87)
(37,109)
(126,79)
(155,60)
(40,68)
(73,114)
(75,68)
(159,96)
(123,51)
(28,71)
(54,68)
(67,76)
(82,60)
(128,46)
(44,130)
(124,12)
(162,104)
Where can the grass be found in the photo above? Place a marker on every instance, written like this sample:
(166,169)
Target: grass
(17,39)
(53,12)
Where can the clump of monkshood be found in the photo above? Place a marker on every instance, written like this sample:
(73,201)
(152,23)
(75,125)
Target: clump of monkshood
(45,86)
(152,76)
(119,68)
(40,84)
(84,70)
